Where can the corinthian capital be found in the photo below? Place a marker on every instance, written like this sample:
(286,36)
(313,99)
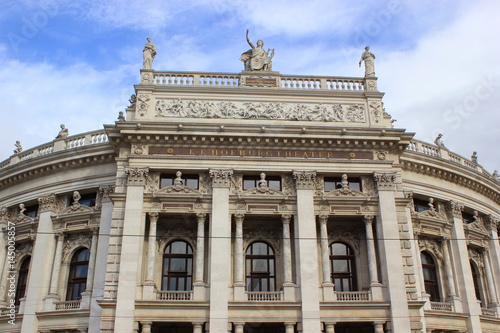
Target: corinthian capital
(454,208)
(385,180)
(48,202)
(136,176)
(304,180)
(221,177)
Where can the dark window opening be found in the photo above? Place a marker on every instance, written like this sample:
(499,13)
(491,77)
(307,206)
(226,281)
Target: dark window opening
(430,276)
(475,279)
(177,274)
(252,181)
(77,281)
(31,211)
(88,199)
(22,280)
(335,183)
(260,267)
(343,267)
(420,205)
(467,218)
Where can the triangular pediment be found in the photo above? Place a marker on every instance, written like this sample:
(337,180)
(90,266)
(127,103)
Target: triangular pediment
(76,208)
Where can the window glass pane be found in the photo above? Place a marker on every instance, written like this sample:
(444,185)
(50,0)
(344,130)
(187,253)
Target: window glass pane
(172,284)
(189,266)
(264,285)
(271,266)
(255,285)
(81,271)
(188,283)
(178,264)
(355,185)
(259,248)
(271,284)
(166,262)
(340,266)
(259,265)
(191,182)
(178,247)
(167,181)
(274,184)
(338,249)
(249,183)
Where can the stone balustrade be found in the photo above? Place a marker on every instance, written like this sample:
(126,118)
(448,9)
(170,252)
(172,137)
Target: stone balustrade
(434,151)
(174,295)
(68,305)
(71,142)
(297,82)
(488,312)
(264,296)
(353,296)
(441,306)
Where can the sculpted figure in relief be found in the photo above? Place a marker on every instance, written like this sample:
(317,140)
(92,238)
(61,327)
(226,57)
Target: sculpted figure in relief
(257,59)
(19,148)
(149,54)
(368,58)
(63,133)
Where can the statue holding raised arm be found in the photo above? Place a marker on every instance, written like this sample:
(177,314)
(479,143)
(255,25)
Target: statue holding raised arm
(368,58)
(149,54)
(257,59)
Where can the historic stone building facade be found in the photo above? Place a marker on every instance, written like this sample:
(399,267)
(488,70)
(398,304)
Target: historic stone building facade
(250,202)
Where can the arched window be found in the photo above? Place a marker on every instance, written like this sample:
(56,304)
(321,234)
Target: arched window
(343,267)
(77,280)
(260,267)
(475,278)
(430,276)
(177,272)
(22,280)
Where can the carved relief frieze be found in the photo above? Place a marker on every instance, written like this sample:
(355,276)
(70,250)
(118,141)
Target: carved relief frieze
(341,234)
(143,100)
(73,241)
(376,111)
(491,222)
(152,182)
(319,186)
(251,110)
(139,149)
(287,185)
(204,185)
(369,186)
(477,223)
(236,184)
(431,245)
(76,207)
(5,214)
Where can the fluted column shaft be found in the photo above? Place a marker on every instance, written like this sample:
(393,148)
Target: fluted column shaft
(287,251)
(239,256)
(57,264)
(489,278)
(200,248)
(447,268)
(370,248)
(153,221)
(91,267)
(325,257)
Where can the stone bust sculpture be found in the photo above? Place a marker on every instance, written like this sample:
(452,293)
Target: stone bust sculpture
(257,59)
(149,54)
(368,58)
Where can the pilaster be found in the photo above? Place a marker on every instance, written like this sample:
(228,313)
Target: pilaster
(199,283)
(53,297)
(306,249)
(220,251)
(327,284)
(239,259)
(288,285)
(148,290)
(375,285)
(133,233)
(390,252)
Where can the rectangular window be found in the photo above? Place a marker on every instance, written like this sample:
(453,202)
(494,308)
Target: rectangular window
(31,211)
(252,181)
(88,199)
(420,205)
(167,180)
(467,218)
(334,183)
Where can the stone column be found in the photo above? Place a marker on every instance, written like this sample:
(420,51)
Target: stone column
(329,327)
(41,263)
(492,225)
(327,284)
(199,285)
(448,271)
(289,327)
(238,327)
(131,249)
(4,280)
(288,285)
(148,290)
(54,282)
(489,278)
(461,262)
(379,327)
(307,251)
(146,325)
(239,259)
(375,286)
(106,206)
(220,251)
(390,252)
(87,294)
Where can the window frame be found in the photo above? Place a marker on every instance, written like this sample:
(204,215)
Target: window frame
(350,275)
(168,274)
(432,287)
(79,282)
(167,179)
(22,279)
(253,276)
(335,183)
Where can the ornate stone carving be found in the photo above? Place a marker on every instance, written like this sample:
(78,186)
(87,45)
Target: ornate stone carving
(76,206)
(136,176)
(369,59)
(5,214)
(431,245)
(220,177)
(179,231)
(341,234)
(257,59)
(152,183)
(287,185)
(23,249)
(143,104)
(491,222)
(132,100)
(476,255)
(139,149)
(18,146)
(48,202)
(382,155)
(304,180)
(368,185)
(251,110)
(261,232)
(236,184)
(73,241)
(376,111)
(103,193)
(63,133)
(454,209)
(148,54)
(477,222)
(385,180)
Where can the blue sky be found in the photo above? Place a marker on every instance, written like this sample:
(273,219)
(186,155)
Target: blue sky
(75,62)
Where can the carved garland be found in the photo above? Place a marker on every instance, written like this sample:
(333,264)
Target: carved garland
(433,246)
(74,241)
(340,234)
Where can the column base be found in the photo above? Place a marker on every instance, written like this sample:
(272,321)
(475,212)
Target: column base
(328,292)
(149,290)
(496,307)
(199,291)
(457,303)
(85,303)
(239,292)
(49,302)
(376,291)
(289,294)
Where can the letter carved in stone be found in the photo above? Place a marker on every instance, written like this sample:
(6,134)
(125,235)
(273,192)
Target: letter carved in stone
(136,176)
(220,177)
(385,180)
(304,180)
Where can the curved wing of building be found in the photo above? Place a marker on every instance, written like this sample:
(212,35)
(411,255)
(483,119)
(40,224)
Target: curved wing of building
(249,202)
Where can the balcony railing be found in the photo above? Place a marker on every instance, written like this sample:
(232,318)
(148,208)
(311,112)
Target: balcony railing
(353,296)
(71,142)
(488,312)
(441,306)
(68,305)
(264,296)
(174,295)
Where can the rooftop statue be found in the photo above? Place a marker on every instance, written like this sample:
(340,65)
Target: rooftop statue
(439,142)
(63,133)
(257,59)
(149,54)
(19,148)
(368,58)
